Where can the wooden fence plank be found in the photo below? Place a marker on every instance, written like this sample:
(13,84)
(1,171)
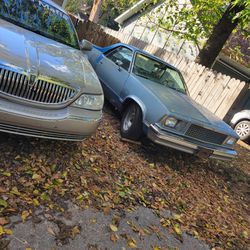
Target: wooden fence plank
(206,90)
(214,102)
(199,84)
(199,69)
(229,98)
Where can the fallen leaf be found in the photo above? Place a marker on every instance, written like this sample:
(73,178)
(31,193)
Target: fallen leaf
(51,231)
(1,230)
(151,165)
(3,221)
(245,234)
(156,248)
(177,217)
(8,231)
(106,210)
(36,176)
(114,237)
(75,230)
(15,191)
(25,215)
(3,203)
(177,229)
(45,197)
(36,192)
(132,243)
(6,174)
(113,228)
(122,194)
(2,190)
(36,202)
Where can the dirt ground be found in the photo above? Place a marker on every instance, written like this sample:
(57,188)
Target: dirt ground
(208,199)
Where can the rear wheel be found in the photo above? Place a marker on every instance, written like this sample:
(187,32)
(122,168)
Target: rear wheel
(131,124)
(243,130)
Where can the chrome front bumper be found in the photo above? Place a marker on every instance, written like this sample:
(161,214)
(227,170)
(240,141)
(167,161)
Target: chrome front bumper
(68,123)
(179,143)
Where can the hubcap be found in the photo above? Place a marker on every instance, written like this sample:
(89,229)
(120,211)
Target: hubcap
(242,129)
(129,119)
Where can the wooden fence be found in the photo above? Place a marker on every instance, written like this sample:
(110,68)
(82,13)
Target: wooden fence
(213,90)
(93,33)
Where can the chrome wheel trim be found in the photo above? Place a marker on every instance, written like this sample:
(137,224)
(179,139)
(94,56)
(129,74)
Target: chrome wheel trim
(242,129)
(129,119)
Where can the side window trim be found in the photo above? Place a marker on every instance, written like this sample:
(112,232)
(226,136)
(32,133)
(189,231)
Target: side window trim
(111,50)
(107,53)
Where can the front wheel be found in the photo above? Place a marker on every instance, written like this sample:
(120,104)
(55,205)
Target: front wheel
(131,124)
(243,130)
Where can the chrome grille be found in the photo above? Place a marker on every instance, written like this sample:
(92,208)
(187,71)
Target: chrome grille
(205,135)
(16,84)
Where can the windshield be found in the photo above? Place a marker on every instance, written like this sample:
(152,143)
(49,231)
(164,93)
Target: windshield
(40,17)
(158,72)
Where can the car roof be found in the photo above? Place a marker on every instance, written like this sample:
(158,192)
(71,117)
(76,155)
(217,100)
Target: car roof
(55,5)
(143,52)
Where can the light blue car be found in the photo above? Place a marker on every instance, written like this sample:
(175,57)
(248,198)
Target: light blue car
(154,100)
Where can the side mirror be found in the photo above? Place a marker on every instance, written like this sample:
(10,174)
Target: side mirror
(86,45)
(119,63)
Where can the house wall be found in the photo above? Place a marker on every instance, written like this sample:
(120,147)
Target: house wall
(145,26)
(59,2)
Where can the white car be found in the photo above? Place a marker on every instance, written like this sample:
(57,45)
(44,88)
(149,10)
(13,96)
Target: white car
(241,124)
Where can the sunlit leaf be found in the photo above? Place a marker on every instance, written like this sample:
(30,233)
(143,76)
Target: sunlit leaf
(1,230)
(36,176)
(156,248)
(36,202)
(113,228)
(25,215)
(8,231)
(177,229)
(131,243)
(3,203)
(8,174)
(15,191)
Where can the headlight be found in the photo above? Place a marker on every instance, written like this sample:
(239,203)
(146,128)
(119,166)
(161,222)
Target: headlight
(171,122)
(93,102)
(231,141)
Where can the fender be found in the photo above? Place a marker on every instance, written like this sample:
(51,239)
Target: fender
(141,105)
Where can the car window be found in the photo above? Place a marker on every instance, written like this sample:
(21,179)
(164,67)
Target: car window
(121,55)
(40,17)
(159,72)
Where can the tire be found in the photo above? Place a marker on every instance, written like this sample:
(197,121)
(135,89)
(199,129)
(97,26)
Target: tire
(131,124)
(243,130)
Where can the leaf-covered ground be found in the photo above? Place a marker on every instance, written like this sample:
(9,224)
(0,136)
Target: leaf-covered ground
(210,198)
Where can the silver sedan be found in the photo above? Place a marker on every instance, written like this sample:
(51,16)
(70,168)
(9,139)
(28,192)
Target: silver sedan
(47,86)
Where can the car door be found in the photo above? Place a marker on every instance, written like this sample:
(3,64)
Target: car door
(113,71)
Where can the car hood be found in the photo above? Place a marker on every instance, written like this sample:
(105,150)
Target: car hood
(183,107)
(30,52)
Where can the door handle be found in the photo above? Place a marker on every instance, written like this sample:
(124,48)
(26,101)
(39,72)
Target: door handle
(101,62)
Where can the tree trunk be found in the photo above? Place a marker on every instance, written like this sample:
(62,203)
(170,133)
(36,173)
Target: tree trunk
(95,12)
(221,32)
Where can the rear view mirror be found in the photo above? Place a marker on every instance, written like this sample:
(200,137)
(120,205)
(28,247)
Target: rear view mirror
(86,45)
